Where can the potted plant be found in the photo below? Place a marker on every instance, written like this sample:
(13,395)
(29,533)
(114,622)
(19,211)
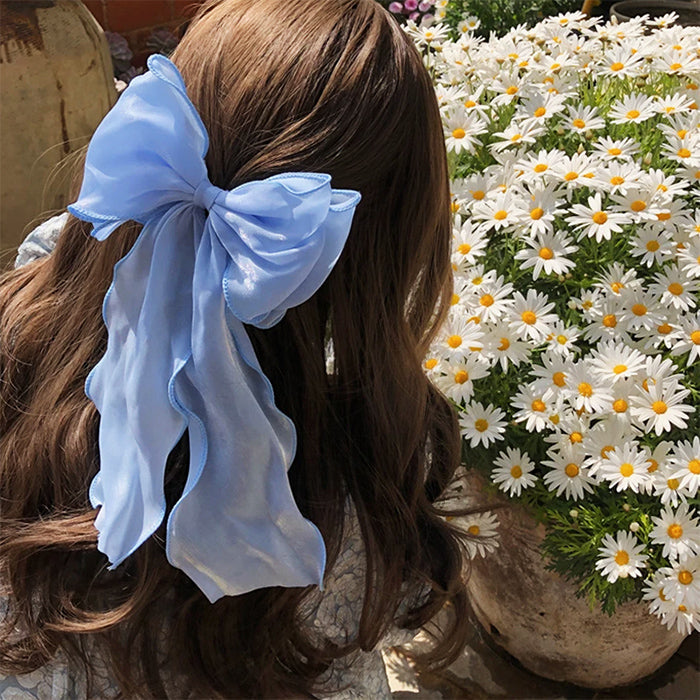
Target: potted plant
(572,348)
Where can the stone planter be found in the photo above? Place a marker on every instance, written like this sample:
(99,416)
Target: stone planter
(535,615)
(688,11)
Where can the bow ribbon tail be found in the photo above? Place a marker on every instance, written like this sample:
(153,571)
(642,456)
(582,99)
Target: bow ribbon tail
(236,527)
(147,312)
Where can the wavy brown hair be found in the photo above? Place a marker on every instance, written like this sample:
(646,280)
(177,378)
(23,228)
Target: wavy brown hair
(312,85)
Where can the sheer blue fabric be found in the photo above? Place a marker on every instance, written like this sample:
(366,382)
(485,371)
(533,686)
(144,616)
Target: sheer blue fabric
(178,356)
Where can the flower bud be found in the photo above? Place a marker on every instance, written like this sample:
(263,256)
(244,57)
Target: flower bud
(634,527)
(573,513)
(626,507)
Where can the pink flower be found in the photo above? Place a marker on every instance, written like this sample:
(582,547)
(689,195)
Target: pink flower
(410,5)
(395,7)
(426,5)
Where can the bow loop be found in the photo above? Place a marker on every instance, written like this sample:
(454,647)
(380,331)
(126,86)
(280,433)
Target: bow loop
(178,357)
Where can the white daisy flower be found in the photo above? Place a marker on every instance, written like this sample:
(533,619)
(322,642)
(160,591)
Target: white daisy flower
(468,244)
(492,300)
(498,212)
(581,118)
(674,288)
(610,149)
(688,339)
(640,309)
(595,220)
(515,134)
(621,62)
(686,464)
(568,474)
(625,467)
(540,208)
(513,471)
(533,408)
(682,582)
(505,347)
(547,253)
(616,279)
(621,556)
(562,340)
(637,203)
(587,390)
(551,374)
(531,317)
(459,338)
(618,178)
(574,171)
(677,531)
(457,382)
(661,408)
(632,109)
(689,258)
(482,426)
(482,529)
(603,438)
(616,361)
(673,104)
(538,166)
(571,431)
(607,323)
(461,131)
(653,245)
(667,488)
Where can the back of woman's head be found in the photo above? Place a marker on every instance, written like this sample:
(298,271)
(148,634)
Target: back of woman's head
(328,86)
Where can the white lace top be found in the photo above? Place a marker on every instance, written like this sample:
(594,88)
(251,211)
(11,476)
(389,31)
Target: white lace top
(333,615)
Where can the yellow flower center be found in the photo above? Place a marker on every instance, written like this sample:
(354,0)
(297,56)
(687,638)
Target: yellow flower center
(673,484)
(695,337)
(473,530)
(609,321)
(663,215)
(683,153)
(486,300)
(685,577)
(540,112)
(515,471)
(571,175)
(555,419)
(622,558)
(529,317)
(653,465)
(431,363)
(454,341)
(571,470)
(579,123)
(500,215)
(559,379)
(585,389)
(461,377)
(638,205)
(674,531)
(694,466)
(606,450)
(682,133)
(504,344)
(512,89)
(617,66)
(540,167)
(538,405)
(675,288)
(562,340)
(455,207)
(652,246)
(455,299)
(464,248)
(614,151)
(626,469)
(575,437)
(639,309)
(515,137)
(619,369)
(676,66)
(546,253)
(682,608)
(619,406)
(600,217)
(536,214)
(481,424)
(632,114)
(616,180)
(478,194)
(459,133)
(617,286)
(659,407)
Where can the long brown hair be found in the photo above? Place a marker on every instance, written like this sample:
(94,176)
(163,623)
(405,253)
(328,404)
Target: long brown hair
(312,85)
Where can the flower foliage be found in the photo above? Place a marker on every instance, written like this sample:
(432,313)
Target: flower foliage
(572,345)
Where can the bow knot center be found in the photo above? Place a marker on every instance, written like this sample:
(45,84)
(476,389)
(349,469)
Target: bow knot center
(205,194)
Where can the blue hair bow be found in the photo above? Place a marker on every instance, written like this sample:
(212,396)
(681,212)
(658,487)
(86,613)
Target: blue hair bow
(178,356)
